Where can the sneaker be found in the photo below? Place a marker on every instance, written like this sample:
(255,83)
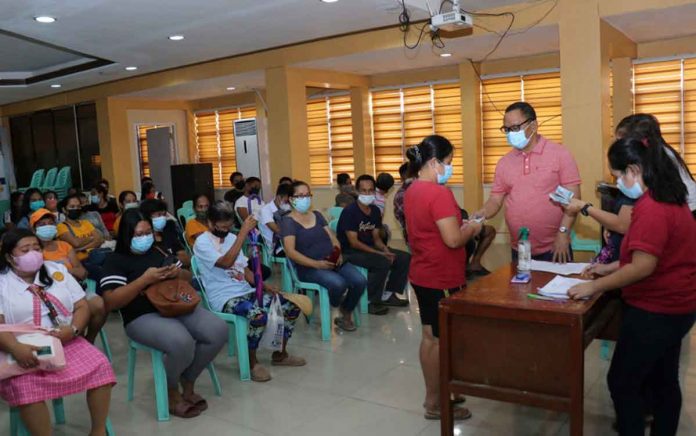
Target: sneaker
(376,309)
(395,301)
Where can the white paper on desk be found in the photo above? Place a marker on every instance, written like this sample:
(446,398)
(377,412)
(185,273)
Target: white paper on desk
(558,287)
(564,269)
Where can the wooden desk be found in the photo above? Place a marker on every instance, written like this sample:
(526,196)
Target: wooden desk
(497,343)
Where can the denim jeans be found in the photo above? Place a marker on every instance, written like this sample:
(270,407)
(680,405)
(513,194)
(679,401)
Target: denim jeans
(347,277)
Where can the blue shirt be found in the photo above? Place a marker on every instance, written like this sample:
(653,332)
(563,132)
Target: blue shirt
(353,219)
(221,285)
(313,242)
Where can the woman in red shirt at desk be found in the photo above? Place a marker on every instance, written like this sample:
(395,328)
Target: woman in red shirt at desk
(437,238)
(656,272)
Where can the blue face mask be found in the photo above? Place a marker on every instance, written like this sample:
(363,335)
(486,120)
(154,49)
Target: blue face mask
(634,192)
(518,140)
(159,223)
(302,204)
(141,244)
(94,199)
(47,232)
(443,178)
(36,205)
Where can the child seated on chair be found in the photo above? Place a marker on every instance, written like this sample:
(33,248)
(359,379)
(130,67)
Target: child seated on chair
(226,277)
(44,294)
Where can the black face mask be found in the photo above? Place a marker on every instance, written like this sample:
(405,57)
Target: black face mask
(220,233)
(202,215)
(254,191)
(239,185)
(74,214)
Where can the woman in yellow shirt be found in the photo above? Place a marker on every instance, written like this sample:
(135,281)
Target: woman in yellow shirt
(199,225)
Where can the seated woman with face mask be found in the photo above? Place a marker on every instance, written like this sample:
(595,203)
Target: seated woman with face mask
(199,225)
(32,201)
(165,230)
(126,200)
(83,237)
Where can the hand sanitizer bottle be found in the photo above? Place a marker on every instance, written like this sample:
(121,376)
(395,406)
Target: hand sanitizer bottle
(524,252)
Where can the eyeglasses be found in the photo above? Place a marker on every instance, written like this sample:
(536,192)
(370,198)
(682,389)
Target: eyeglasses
(516,127)
(302,196)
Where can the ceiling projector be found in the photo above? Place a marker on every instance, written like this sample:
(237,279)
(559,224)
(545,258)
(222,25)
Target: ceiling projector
(451,21)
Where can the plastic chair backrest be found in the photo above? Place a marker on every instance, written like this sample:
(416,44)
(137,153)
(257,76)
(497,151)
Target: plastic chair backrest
(37,178)
(197,275)
(333,225)
(335,212)
(184,215)
(50,179)
(187,205)
(63,178)
(4,207)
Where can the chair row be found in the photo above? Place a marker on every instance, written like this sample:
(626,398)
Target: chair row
(51,180)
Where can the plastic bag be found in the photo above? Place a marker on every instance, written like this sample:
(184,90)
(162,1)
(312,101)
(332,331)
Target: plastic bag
(272,338)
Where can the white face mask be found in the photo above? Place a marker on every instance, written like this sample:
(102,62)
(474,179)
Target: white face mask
(366,199)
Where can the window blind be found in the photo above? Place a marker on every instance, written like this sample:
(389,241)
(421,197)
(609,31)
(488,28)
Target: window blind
(341,136)
(542,91)
(318,139)
(142,149)
(215,140)
(402,117)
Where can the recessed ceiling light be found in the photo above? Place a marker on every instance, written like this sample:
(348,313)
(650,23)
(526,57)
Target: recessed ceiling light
(176,37)
(131,68)
(328,1)
(445,55)
(231,88)
(56,85)
(44,19)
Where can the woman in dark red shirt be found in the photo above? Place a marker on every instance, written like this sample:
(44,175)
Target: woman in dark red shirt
(656,272)
(437,238)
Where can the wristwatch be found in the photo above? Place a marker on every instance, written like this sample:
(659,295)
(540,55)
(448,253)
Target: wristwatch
(585,208)
(563,229)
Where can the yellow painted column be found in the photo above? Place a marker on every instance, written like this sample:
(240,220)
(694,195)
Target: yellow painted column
(471,137)
(287,124)
(587,44)
(363,153)
(622,105)
(117,160)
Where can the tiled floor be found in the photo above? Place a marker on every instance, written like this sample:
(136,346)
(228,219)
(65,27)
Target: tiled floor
(365,383)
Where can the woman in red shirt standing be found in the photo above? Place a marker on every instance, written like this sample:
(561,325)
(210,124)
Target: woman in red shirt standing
(437,238)
(656,272)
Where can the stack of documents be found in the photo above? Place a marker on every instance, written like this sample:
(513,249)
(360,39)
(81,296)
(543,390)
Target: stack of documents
(564,269)
(558,287)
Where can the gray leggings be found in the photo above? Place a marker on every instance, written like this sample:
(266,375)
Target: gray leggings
(189,342)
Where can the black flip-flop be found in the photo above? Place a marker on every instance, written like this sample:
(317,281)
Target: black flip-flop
(184,410)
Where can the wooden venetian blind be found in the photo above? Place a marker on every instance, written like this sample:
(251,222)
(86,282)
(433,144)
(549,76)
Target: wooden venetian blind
(341,136)
(542,91)
(447,115)
(401,118)
(215,140)
(142,149)
(318,139)
(689,147)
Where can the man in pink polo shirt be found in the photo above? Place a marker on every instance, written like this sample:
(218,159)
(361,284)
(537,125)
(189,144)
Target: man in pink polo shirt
(524,178)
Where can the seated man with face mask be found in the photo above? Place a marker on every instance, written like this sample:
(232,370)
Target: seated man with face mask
(270,230)
(358,232)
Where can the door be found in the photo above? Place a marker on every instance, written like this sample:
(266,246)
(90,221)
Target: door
(162,155)
(247,148)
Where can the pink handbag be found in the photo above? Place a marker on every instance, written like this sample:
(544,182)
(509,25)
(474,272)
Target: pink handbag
(51,355)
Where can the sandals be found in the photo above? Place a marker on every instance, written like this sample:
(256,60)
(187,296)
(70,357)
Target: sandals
(260,374)
(185,410)
(198,402)
(344,325)
(289,361)
(458,415)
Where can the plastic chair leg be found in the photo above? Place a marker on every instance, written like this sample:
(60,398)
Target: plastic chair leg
(356,316)
(363,302)
(59,411)
(131,371)
(325,309)
(109,428)
(105,344)
(16,424)
(231,342)
(214,379)
(286,280)
(240,330)
(161,393)
(604,350)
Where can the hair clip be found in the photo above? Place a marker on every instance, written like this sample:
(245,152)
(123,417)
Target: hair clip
(416,151)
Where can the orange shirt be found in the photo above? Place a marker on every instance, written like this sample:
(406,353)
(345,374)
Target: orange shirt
(194,228)
(60,254)
(117,221)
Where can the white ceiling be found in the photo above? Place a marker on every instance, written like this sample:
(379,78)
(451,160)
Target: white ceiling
(657,24)
(244,82)
(134,32)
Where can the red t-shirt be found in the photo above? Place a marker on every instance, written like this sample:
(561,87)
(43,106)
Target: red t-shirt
(433,264)
(668,232)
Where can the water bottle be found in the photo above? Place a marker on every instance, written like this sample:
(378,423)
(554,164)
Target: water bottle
(524,252)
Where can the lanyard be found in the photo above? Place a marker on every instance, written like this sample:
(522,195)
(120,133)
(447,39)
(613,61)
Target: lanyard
(40,293)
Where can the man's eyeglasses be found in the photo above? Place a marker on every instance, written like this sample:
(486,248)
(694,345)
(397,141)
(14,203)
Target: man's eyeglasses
(516,127)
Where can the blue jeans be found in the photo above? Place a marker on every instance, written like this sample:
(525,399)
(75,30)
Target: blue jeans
(337,281)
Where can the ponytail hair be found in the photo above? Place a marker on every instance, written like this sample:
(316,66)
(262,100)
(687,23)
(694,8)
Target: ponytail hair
(646,127)
(433,146)
(660,174)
